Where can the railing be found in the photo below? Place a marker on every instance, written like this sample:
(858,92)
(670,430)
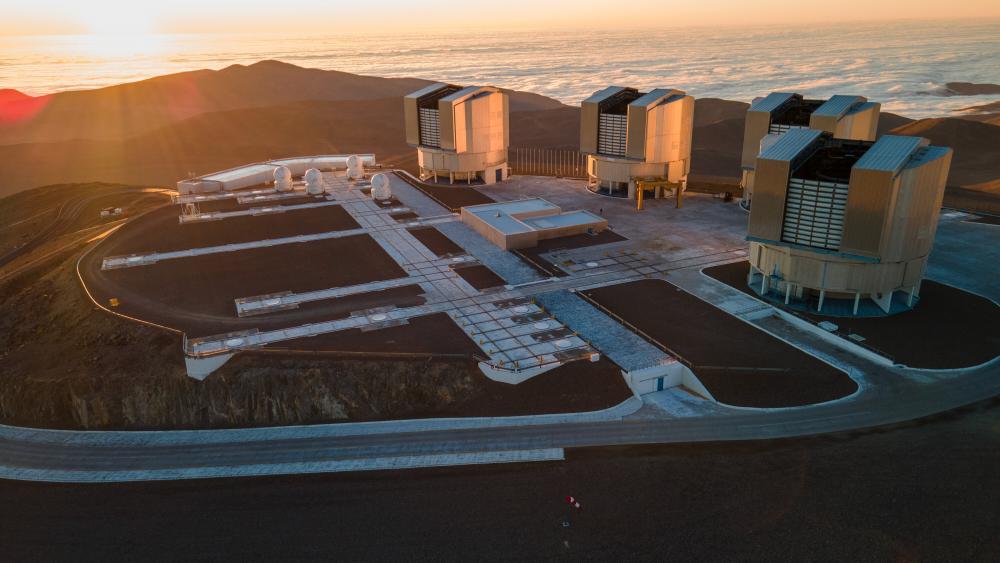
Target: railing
(547,162)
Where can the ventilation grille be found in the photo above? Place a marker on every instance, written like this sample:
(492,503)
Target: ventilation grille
(430,129)
(814,213)
(611,133)
(779,128)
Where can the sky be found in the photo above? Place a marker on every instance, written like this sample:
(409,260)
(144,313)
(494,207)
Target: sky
(44,17)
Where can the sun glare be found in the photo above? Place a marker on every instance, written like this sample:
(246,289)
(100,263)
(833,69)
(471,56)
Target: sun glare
(118,45)
(118,19)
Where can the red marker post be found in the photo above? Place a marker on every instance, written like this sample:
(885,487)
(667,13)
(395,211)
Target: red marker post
(571,504)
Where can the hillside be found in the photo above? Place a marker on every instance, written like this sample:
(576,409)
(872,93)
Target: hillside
(162,129)
(976,145)
(125,110)
(218,140)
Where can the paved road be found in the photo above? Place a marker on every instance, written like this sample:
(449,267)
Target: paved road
(59,456)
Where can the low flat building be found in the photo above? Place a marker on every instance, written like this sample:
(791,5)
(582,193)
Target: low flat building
(633,138)
(844,117)
(262,173)
(522,223)
(460,133)
(845,227)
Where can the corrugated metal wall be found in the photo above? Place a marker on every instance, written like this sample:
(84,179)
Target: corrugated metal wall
(430,127)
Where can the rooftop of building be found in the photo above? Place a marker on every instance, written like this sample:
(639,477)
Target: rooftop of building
(795,110)
(617,99)
(817,156)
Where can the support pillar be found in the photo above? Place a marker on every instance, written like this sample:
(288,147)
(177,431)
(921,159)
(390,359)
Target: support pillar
(909,300)
(822,296)
(788,292)
(857,301)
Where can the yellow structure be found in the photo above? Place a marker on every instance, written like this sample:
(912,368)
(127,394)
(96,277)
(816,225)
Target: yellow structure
(845,220)
(460,133)
(630,136)
(844,117)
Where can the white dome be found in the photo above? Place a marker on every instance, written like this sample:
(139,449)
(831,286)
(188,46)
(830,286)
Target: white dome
(314,181)
(380,187)
(282,173)
(355,167)
(282,179)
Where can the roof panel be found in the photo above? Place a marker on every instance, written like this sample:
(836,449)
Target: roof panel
(927,154)
(468,92)
(838,105)
(862,107)
(655,96)
(790,144)
(889,154)
(601,95)
(429,89)
(770,102)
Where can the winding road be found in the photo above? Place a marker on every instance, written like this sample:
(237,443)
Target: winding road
(74,456)
(888,395)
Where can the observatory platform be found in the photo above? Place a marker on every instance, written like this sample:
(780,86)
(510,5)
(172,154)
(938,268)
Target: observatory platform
(376,266)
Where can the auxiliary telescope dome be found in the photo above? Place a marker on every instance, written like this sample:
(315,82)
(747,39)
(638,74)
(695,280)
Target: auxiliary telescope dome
(282,179)
(380,187)
(314,181)
(355,167)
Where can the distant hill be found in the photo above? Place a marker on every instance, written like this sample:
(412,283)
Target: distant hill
(986,113)
(213,141)
(976,145)
(970,89)
(125,110)
(8,95)
(210,120)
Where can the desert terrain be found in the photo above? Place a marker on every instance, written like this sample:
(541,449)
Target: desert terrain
(201,121)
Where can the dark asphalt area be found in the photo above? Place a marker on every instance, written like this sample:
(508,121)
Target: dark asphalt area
(451,196)
(480,277)
(160,231)
(534,257)
(922,491)
(196,294)
(949,328)
(231,203)
(740,364)
(436,242)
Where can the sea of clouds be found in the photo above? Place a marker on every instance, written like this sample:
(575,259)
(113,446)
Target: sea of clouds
(904,66)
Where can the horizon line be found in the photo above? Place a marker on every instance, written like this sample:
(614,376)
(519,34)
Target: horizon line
(988,20)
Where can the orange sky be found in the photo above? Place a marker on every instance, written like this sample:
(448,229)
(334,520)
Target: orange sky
(316,16)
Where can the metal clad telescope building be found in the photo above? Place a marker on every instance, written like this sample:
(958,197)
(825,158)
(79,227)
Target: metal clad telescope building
(845,227)
(844,117)
(630,137)
(460,133)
